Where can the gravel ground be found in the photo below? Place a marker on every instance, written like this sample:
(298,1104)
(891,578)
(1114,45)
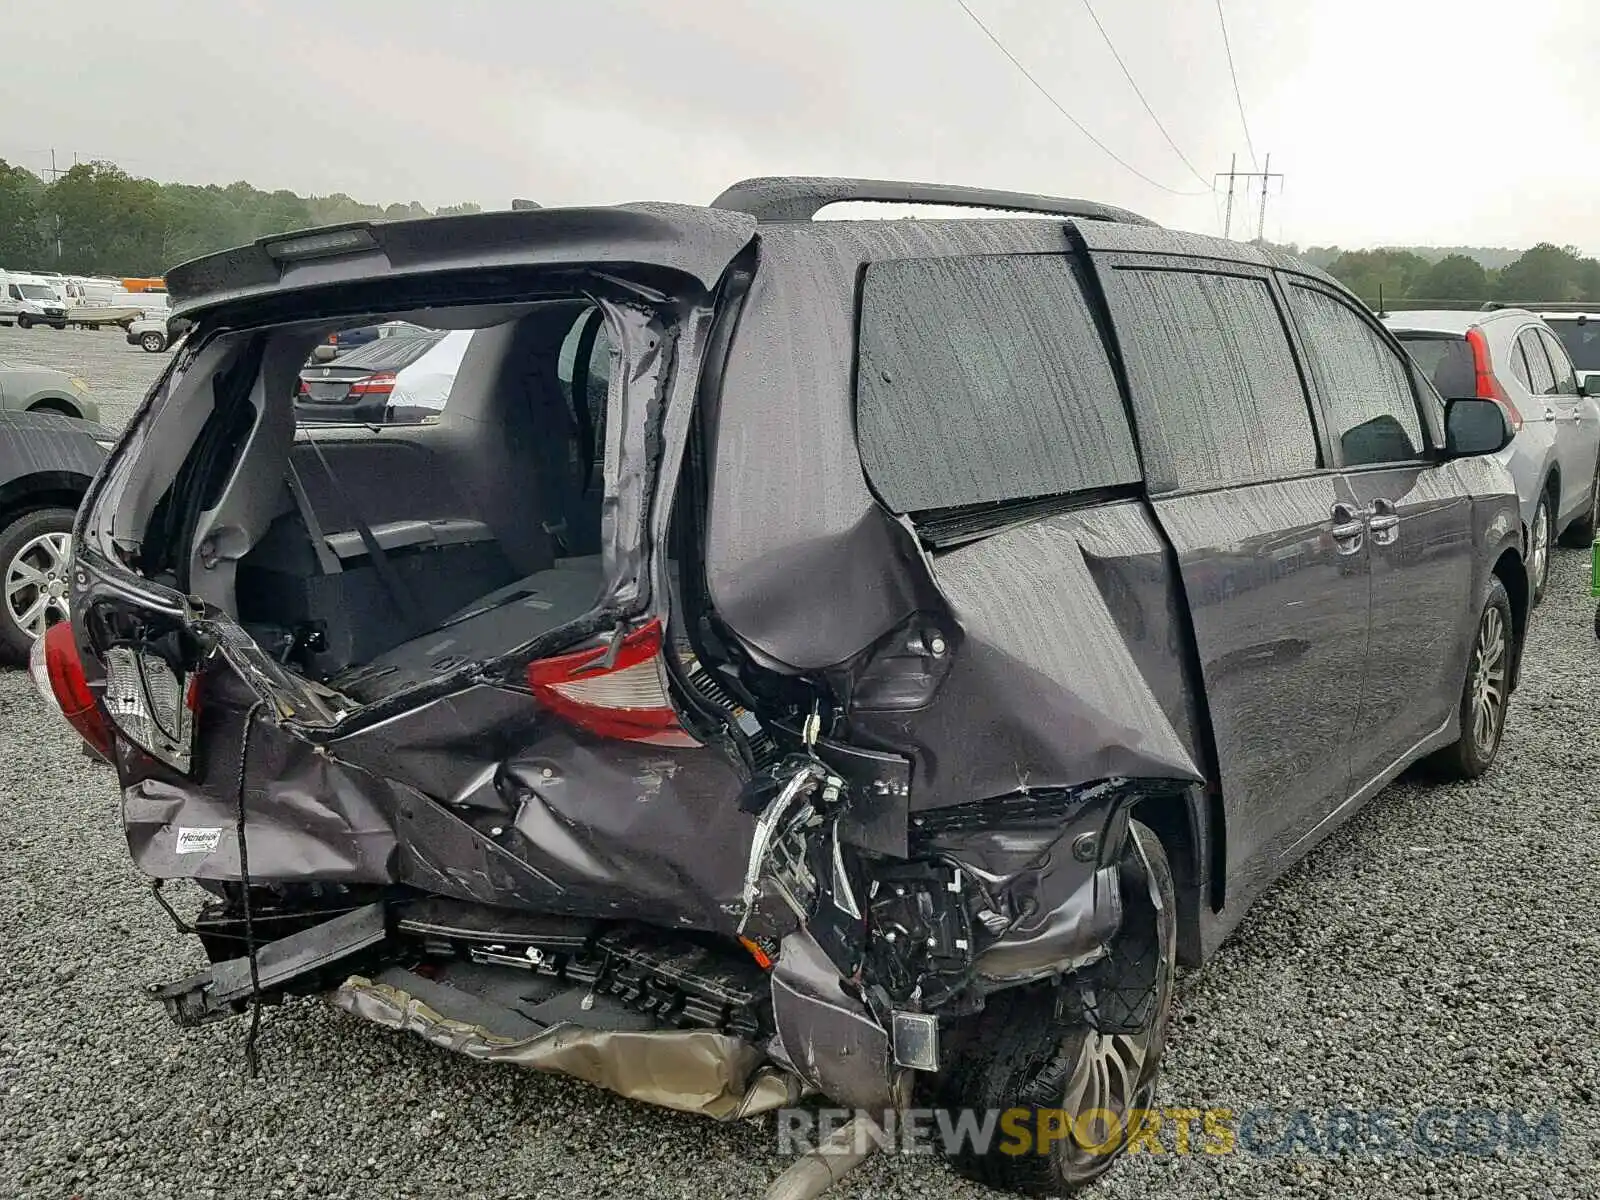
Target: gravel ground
(1440,950)
(117,374)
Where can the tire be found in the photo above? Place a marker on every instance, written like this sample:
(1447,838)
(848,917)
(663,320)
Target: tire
(32,544)
(1473,753)
(24,321)
(1581,533)
(1539,551)
(1007,1056)
(152,342)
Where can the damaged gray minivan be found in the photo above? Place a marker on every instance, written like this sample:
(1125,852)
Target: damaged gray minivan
(855,658)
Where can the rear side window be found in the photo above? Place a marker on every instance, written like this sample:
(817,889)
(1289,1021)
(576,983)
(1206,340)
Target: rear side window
(584,371)
(1566,382)
(1364,384)
(1213,379)
(1446,361)
(985,379)
(1541,379)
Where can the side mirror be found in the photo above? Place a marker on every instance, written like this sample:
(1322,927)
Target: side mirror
(1475,426)
(325,353)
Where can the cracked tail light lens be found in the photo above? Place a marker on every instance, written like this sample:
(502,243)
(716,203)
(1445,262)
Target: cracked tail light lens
(151,705)
(58,674)
(627,699)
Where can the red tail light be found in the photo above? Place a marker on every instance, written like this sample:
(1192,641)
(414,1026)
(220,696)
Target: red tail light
(305,388)
(380,384)
(1488,387)
(626,700)
(55,666)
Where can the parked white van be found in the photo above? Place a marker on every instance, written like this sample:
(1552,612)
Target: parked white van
(29,300)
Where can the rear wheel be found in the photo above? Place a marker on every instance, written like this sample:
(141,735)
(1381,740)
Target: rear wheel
(1539,550)
(1077,1086)
(1484,694)
(34,550)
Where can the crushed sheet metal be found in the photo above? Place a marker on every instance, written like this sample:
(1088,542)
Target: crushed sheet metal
(690,1070)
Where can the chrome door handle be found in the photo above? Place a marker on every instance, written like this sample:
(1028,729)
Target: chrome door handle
(1384,523)
(1349,523)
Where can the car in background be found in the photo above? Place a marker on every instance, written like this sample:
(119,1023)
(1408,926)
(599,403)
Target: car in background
(1511,356)
(30,300)
(357,385)
(150,333)
(46,463)
(44,390)
(1580,335)
(859,714)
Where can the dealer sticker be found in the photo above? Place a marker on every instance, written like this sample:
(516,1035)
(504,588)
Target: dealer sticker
(197,840)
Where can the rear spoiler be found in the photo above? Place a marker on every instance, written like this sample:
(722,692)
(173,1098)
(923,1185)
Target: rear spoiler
(698,242)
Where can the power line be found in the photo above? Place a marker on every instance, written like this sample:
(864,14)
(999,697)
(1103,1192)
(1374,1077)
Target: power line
(1128,75)
(1056,104)
(1238,99)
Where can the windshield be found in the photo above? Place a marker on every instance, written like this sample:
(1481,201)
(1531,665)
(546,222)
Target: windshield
(34,291)
(1582,340)
(1446,360)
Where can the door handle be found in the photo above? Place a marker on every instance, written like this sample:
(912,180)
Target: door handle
(1384,523)
(1349,523)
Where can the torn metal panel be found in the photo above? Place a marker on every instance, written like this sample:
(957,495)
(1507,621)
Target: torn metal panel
(1046,863)
(1045,689)
(828,1035)
(695,1071)
(307,816)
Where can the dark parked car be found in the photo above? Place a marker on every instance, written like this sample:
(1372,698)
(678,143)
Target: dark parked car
(46,463)
(932,633)
(356,386)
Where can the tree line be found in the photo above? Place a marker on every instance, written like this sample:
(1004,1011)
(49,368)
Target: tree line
(1542,274)
(96,219)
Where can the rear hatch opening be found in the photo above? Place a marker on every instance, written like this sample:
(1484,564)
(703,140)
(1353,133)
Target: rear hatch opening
(488,521)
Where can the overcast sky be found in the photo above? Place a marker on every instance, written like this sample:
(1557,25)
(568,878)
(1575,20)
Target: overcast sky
(1394,121)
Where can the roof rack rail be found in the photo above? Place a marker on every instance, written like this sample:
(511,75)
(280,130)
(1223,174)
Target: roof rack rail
(786,198)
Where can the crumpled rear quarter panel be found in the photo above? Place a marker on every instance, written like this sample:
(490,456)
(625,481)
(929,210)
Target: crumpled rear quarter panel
(1068,667)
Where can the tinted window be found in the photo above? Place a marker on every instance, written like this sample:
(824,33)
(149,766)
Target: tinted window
(985,379)
(1363,382)
(1582,341)
(1560,364)
(1519,365)
(1541,379)
(1445,361)
(1213,379)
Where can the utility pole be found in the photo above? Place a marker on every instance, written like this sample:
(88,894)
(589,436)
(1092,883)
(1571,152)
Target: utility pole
(1266,174)
(1232,175)
(1227,220)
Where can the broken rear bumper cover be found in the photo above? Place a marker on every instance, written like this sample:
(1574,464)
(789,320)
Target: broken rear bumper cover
(679,1024)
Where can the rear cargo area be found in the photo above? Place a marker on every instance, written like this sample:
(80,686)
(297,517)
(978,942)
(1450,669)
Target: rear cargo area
(459,520)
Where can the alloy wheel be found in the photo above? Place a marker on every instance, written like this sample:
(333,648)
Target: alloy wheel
(36,583)
(1490,659)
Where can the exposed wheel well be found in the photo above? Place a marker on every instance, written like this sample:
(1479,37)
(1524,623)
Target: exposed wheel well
(59,407)
(1180,818)
(1513,576)
(47,489)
